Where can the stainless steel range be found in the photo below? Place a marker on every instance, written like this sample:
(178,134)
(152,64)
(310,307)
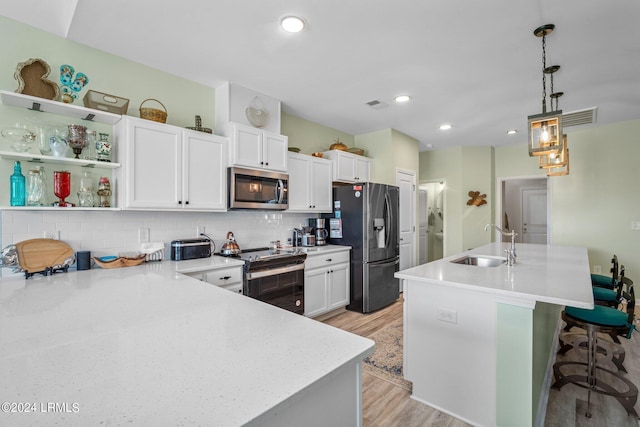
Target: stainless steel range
(274,276)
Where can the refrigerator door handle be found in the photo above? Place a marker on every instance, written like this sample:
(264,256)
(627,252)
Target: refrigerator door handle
(394,261)
(388,220)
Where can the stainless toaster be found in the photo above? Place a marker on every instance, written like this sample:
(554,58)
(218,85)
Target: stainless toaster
(190,249)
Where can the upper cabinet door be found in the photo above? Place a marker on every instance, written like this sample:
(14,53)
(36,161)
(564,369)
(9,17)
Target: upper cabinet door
(345,168)
(298,169)
(204,184)
(361,169)
(247,146)
(152,164)
(321,186)
(274,151)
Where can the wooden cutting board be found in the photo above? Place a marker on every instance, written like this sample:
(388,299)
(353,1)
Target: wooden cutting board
(39,254)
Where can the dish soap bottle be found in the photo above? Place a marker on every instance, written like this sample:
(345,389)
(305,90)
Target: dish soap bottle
(18,188)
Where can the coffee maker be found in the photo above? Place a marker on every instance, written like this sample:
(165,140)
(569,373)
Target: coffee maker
(320,230)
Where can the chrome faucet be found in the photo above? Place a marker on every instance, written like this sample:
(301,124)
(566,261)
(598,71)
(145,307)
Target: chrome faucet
(511,253)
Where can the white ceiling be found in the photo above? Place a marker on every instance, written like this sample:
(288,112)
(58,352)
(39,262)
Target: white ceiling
(475,64)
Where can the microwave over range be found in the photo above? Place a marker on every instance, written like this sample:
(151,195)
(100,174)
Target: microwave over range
(257,189)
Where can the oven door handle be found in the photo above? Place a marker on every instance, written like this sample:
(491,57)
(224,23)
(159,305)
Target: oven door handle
(275,271)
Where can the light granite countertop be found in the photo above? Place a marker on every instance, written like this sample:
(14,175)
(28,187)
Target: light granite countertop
(147,345)
(554,274)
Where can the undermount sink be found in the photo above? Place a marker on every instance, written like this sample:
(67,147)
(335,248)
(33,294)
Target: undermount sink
(480,261)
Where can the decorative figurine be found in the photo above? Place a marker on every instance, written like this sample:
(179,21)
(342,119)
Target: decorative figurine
(70,85)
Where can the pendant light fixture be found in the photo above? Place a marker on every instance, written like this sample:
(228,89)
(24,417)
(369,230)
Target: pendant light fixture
(556,160)
(545,129)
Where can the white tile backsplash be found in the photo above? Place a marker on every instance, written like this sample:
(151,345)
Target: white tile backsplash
(110,232)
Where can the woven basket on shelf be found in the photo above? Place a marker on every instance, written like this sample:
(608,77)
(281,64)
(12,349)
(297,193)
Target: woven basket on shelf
(153,113)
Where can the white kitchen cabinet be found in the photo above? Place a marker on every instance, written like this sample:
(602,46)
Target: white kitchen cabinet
(326,282)
(170,168)
(349,167)
(226,278)
(309,183)
(255,148)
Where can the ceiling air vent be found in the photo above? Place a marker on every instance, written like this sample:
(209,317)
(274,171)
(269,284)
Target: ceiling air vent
(580,117)
(377,105)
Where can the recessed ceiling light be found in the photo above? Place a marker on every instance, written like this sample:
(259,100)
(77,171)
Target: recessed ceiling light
(292,24)
(512,132)
(445,126)
(402,98)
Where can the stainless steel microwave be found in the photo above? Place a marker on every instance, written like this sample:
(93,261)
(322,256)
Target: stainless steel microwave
(257,189)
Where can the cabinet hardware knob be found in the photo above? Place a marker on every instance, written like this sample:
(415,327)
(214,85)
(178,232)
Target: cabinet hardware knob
(186,203)
(328,260)
(225,278)
(267,163)
(179,202)
(262,163)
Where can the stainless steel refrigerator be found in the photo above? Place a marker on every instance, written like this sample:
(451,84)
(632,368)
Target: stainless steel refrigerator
(365,217)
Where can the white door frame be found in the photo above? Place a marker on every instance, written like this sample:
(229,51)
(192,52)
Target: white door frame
(442,181)
(498,220)
(413,211)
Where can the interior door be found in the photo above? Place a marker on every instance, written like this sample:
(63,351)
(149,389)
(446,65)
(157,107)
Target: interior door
(534,216)
(406,181)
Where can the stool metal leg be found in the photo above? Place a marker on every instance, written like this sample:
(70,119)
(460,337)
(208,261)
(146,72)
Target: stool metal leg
(627,398)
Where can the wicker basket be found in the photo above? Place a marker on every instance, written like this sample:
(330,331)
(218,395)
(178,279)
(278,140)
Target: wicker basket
(152,113)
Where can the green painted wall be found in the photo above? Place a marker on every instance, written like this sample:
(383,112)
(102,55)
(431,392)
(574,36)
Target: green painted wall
(389,150)
(477,175)
(464,169)
(513,361)
(379,147)
(310,136)
(107,73)
(594,205)
(446,164)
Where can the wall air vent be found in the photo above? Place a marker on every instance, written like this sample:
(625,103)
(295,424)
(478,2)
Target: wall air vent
(580,117)
(377,105)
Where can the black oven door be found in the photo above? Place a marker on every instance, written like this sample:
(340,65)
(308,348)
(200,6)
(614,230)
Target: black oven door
(280,286)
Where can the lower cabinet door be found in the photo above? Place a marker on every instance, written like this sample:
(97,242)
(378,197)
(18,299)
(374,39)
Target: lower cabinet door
(339,286)
(315,292)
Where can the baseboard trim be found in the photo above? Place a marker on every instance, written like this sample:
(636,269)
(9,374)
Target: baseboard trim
(541,413)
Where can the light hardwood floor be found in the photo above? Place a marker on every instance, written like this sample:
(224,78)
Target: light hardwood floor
(386,404)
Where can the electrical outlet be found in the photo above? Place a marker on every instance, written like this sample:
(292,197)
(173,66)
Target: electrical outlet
(450,316)
(635,225)
(597,269)
(201,230)
(143,235)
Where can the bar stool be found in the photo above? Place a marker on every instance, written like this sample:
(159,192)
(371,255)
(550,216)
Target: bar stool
(608,321)
(608,282)
(612,350)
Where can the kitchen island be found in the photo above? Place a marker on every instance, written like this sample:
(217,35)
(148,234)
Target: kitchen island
(479,341)
(148,345)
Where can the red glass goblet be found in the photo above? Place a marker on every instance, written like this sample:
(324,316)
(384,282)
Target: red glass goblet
(62,187)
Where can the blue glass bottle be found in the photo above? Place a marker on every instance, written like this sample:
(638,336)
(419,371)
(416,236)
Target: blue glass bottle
(18,187)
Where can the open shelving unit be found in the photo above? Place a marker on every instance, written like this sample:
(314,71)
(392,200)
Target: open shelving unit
(62,109)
